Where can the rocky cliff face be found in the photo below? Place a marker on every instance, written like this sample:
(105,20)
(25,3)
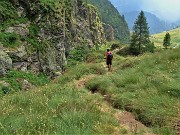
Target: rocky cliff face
(37,35)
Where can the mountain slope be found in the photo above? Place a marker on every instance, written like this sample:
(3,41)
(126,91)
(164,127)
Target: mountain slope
(111,16)
(131,8)
(155,24)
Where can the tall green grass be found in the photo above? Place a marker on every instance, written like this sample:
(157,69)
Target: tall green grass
(148,86)
(55,109)
(80,70)
(9,39)
(14,79)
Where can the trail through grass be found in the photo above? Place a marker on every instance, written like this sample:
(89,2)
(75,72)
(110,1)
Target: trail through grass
(147,86)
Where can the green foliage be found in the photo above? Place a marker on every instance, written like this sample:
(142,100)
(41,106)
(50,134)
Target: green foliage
(95,56)
(175,40)
(9,39)
(55,110)
(59,6)
(148,86)
(167,40)
(140,42)
(37,45)
(33,30)
(124,51)
(111,16)
(78,54)
(80,70)
(48,4)
(14,79)
(12,22)
(100,84)
(5,90)
(7,11)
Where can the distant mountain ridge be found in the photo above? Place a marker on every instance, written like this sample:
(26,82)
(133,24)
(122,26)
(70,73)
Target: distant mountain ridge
(156,25)
(131,9)
(178,23)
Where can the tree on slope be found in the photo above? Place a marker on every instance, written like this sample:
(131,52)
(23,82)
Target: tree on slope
(140,41)
(167,40)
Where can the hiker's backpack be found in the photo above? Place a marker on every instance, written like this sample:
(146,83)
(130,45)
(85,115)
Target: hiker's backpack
(109,56)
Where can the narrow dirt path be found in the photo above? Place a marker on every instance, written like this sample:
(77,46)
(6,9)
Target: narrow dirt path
(126,119)
(82,82)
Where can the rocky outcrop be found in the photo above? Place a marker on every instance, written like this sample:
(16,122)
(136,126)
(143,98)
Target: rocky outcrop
(21,29)
(50,32)
(109,32)
(5,62)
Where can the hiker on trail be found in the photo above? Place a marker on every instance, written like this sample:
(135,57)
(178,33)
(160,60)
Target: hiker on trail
(109,58)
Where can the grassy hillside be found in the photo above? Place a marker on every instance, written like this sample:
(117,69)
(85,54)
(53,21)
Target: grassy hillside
(175,40)
(148,86)
(18,80)
(59,109)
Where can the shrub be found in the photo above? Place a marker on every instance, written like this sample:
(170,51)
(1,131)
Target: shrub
(6,90)
(100,84)
(9,39)
(95,56)
(124,51)
(78,54)
(7,11)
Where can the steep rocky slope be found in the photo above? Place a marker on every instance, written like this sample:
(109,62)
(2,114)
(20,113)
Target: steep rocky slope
(110,16)
(38,35)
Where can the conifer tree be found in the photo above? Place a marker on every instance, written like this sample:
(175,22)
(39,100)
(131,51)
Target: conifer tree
(140,41)
(167,40)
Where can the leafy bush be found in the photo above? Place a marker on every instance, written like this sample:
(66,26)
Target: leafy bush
(95,56)
(78,54)
(100,84)
(6,89)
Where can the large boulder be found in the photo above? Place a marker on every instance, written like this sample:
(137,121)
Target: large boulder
(5,62)
(109,32)
(19,54)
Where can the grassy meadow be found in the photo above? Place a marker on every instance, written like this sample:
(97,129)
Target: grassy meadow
(158,38)
(147,86)
(59,108)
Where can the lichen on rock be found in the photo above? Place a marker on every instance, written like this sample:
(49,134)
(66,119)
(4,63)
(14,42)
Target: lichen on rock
(5,63)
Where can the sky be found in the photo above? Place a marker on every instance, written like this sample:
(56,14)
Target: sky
(168,10)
